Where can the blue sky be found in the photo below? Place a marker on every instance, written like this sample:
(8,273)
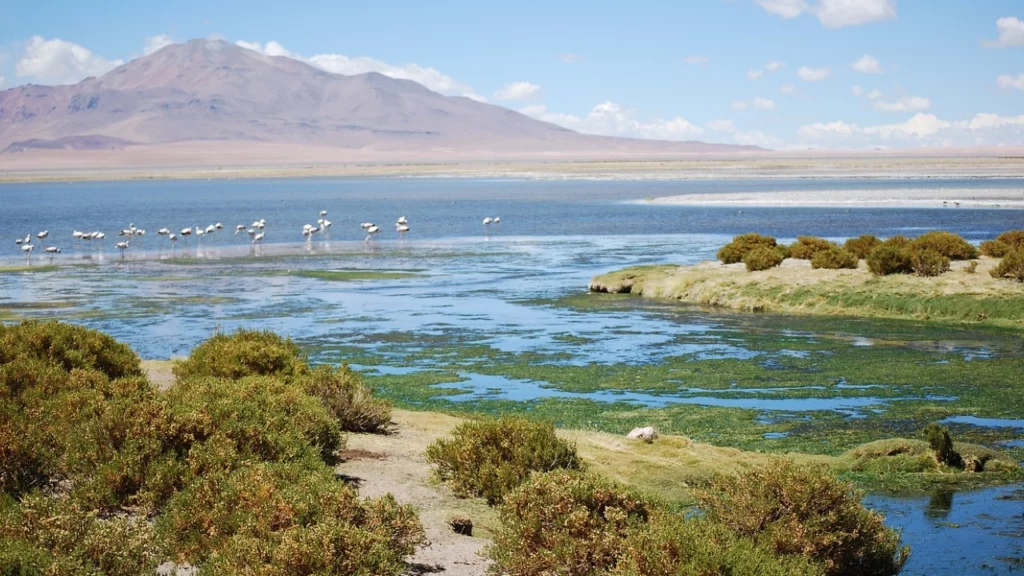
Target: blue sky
(778,73)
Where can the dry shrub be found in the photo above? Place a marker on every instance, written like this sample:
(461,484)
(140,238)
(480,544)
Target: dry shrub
(67,347)
(1012,238)
(491,458)
(244,353)
(972,267)
(861,246)
(1011,266)
(834,258)
(734,251)
(806,511)
(928,262)
(891,257)
(806,247)
(763,259)
(995,248)
(950,245)
(345,396)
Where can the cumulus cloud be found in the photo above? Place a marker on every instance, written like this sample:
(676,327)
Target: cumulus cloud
(762,103)
(868,64)
(154,43)
(696,59)
(906,104)
(342,64)
(774,66)
(920,125)
(1008,81)
(534,110)
(820,130)
(788,89)
(808,74)
(611,119)
(919,130)
(989,121)
(517,91)
(857,91)
(1011,33)
(833,13)
(57,61)
(754,74)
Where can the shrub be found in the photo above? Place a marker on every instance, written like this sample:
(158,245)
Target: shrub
(805,511)
(676,546)
(244,353)
(734,251)
(950,245)
(928,262)
(972,267)
(861,246)
(565,522)
(1011,266)
(806,247)
(345,396)
(890,258)
(288,518)
(995,248)
(833,258)
(942,445)
(491,458)
(1012,238)
(763,259)
(68,347)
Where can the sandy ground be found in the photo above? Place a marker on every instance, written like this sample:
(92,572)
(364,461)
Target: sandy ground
(879,198)
(225,160)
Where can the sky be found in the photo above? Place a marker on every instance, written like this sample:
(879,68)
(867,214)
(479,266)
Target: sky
(783,74)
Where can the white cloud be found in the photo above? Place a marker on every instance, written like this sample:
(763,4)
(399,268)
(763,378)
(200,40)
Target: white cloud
(1011,33)
(58,61)
(1008,81)
(875,94)
(720,126)
(808,74)
(788,89)
(784,8)
(763,103)
(611,119)
(570,58)
(754,74)
(842,13)
(739,105)
(534,110)
(774,66)
(857,91)
(271,48)
(868,64)
(820,130)
(989,121)
(154,43)
(3,82)
(919,126)
(757,138)
(906,104)
(696,59)
(518,91)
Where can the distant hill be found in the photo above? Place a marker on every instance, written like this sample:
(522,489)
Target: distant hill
(210,90)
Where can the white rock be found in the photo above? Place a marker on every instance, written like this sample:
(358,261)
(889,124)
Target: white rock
(647,434)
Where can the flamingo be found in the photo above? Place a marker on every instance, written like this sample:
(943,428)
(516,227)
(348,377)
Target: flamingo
(366,225)
(323,213)
(99,235)
(371,231)
(163,232)
(487,221)
(122,246)
(497,220)
(258,238)
(77,234)
(52,250)
(251,232)
(43,234)
(401,228)
(402,220)
(239,228)
(27,249)
(325,224)
(218,226)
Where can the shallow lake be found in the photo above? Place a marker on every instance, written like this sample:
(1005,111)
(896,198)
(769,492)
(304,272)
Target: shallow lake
(459,315)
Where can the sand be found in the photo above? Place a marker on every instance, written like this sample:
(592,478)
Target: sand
(875,198)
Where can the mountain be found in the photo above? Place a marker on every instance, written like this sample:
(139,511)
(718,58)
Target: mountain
(207,91)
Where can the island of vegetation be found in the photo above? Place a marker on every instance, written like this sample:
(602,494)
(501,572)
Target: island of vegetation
(936,276)
(234,462)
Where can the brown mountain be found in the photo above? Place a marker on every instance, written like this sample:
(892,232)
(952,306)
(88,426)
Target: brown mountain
(212,91)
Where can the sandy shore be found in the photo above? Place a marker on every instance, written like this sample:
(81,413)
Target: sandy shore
(877,198)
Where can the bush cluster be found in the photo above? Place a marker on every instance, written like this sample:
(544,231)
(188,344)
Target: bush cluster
(763,258)
(806,247)
(928,262)
(229,469)
(861,246)
(491,458)
(950,245)
(833,258)
(736,250)
(1003,244)
(348,399)
(1011,266)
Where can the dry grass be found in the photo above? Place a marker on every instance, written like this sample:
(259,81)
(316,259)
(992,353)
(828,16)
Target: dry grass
(795,287)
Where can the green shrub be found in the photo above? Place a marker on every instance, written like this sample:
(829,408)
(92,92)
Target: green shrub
(491,458)
(806,247)
(763,259)
(950,245)
(861,246)
(68,347)
(942,445)
(565,522)
(891,257)
(676,546)
(288,518)
(734,251)
(805,511)
(833,258)
(345,396)
(244,353)
(995,248)
(1011,266)
(928,262)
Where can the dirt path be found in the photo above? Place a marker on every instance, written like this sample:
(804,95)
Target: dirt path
(395,463)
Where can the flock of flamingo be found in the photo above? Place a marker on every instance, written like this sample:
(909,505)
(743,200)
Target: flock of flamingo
(256,233)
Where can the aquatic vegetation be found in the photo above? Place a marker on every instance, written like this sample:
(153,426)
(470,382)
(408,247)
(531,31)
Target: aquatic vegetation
(27,269)
(491,458)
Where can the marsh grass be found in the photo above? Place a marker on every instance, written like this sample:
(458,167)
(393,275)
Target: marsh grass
(23,269)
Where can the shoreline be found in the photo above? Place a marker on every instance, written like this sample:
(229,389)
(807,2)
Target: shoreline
(991,198)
